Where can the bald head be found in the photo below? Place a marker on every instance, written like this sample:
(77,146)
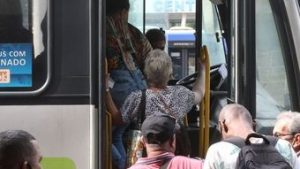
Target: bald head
(235,120)
(232,112)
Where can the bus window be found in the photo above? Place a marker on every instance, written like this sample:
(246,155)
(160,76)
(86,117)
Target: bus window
(272,93)
(211,34)
(136,14)
(178,19)
(23,46)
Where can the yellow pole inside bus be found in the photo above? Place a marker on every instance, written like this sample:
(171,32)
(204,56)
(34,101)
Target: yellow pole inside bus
(205,106)
(108,132)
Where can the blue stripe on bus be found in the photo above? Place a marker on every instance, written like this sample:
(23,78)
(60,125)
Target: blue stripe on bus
(181,36)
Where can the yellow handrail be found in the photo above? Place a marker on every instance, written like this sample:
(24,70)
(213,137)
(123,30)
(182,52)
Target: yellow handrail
(108,134)
(205,106)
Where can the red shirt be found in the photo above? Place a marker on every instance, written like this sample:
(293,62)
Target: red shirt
(178,162)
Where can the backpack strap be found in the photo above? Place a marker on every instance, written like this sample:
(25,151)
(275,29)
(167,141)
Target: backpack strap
(238,141)
(142,109)
(273,140)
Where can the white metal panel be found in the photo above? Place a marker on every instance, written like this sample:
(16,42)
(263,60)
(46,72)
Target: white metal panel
(62,130)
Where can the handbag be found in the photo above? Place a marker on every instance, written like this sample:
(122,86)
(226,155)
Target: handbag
(135,147)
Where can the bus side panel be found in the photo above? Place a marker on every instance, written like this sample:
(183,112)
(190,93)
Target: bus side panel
(63,131)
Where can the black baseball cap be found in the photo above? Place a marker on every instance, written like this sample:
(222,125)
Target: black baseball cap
(158,128)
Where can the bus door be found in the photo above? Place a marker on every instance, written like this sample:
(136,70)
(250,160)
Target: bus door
(265,67)
(48,84)
(178,19)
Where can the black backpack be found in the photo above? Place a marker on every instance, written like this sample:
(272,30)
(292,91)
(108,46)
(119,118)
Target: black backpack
(258,156)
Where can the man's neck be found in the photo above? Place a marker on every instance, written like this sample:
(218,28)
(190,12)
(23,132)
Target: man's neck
(153,151)
(241,132)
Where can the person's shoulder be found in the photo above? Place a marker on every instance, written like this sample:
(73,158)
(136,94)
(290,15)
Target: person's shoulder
(131,99)
(223,147)
(186,161)
(134,30)
(184,158)
(135,94)
(179,88)
(221,155)
(140,167)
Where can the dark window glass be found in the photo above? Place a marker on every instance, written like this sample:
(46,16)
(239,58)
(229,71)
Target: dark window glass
(23,45)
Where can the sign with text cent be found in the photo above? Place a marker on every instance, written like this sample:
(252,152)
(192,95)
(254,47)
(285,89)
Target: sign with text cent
(16,64)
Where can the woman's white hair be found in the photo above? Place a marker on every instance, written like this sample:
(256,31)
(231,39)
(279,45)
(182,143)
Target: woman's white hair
(158,67)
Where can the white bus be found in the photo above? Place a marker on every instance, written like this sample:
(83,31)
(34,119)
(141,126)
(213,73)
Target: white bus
(52,56)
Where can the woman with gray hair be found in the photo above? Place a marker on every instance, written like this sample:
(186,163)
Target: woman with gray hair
(175,101)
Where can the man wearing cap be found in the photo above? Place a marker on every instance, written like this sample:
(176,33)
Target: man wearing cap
(159,139)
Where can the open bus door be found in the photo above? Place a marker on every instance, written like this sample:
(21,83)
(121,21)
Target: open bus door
(255,41)
(264,59)
(186,33)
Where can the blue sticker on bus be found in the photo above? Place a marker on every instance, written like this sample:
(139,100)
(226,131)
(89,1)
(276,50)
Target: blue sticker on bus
(16,64)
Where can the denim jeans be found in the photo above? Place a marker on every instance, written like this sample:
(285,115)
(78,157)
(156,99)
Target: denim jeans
(125,83)
(118,150)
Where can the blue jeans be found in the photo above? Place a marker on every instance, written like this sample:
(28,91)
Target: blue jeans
(125,83)
(118,150)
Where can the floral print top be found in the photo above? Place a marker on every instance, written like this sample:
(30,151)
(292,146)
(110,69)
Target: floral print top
(126,46)
(176,101)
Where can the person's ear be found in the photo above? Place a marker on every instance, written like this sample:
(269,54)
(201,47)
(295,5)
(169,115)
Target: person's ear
(297,139)
(224,126)
(173,141)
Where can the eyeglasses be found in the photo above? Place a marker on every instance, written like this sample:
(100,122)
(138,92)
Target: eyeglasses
(280,135)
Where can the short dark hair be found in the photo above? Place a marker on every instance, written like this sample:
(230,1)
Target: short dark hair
(15,148)
(154,35)
(113,6)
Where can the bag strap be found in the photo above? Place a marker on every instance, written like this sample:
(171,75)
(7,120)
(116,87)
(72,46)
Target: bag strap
(273,140)
(141,109)
(239,142)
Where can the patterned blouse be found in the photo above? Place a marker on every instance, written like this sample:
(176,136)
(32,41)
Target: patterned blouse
(124,37)
(174,100)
